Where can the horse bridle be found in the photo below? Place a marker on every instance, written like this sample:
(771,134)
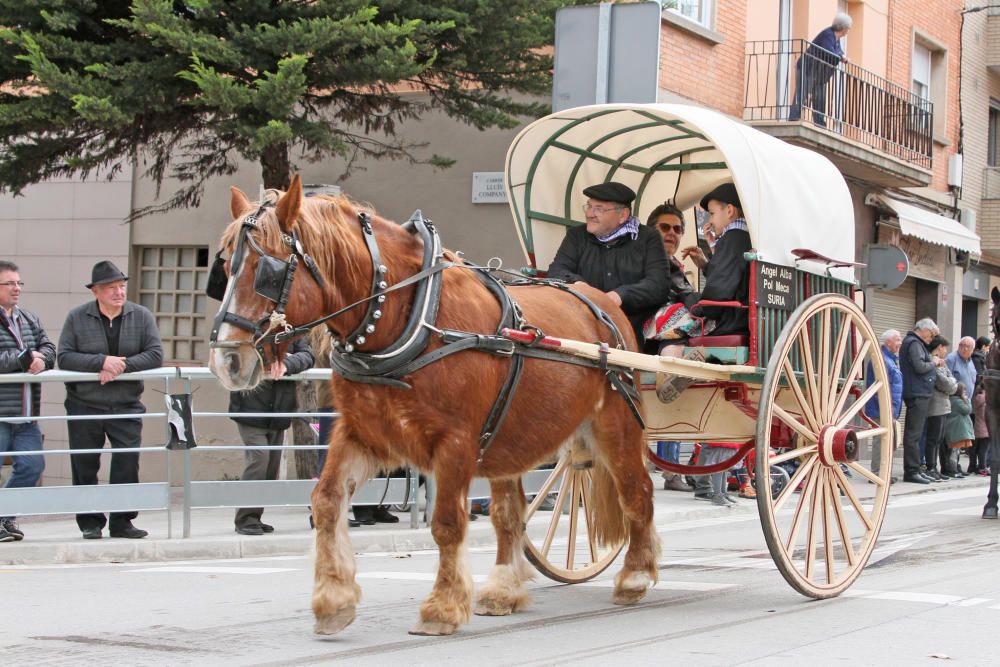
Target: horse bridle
(272,280)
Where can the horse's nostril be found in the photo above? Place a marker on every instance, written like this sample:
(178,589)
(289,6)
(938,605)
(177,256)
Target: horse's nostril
(233,362)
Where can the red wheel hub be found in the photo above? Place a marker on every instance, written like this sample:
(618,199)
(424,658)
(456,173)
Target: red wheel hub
(837,445)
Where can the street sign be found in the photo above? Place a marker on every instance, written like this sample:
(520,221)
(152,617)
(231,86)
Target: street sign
(606,53)
(888,266)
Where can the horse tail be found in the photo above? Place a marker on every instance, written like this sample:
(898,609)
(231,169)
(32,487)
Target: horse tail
(607,518)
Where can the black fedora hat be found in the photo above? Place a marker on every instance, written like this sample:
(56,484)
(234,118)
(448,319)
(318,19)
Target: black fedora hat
(725,193)
(614,192)
(105,272)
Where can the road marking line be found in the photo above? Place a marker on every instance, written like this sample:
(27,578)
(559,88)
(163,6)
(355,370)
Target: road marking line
(909,596)
(665,585)
(933,497)
(410,576)
(192,569)
(973,511)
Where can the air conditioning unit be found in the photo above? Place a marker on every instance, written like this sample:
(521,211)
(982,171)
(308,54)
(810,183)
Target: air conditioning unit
(955,170)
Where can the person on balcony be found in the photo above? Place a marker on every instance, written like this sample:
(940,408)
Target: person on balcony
(816,67)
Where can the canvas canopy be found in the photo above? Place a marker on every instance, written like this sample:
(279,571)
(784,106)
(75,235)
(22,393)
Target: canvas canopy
(791,196)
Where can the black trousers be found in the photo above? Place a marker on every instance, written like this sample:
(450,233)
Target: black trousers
(91,434)
(932,441)
(916,420)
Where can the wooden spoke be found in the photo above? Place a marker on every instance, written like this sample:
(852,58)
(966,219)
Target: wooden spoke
(842,528)
(792,454)
(793,483)
(584,558)
(853,498)
(804,406)
(855,408)
(794,423)
(864,472)
(871,433)
(852,375)
(574,506)
(824,364)
(815,357)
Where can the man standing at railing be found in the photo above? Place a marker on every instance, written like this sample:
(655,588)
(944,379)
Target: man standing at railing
(24,348)
(816,67)
(108,336)
(268,396)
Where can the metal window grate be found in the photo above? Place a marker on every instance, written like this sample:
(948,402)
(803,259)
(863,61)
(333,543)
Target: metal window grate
(172,285)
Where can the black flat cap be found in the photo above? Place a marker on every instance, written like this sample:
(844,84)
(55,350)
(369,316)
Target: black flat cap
(611,191)
(725,193)
(105,272)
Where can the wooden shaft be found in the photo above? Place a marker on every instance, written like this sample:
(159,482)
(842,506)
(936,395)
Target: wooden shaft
(698,370)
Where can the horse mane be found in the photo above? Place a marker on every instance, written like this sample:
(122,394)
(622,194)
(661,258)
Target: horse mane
(325,226)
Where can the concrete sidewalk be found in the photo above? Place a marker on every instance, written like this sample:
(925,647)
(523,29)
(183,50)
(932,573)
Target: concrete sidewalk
(56,539)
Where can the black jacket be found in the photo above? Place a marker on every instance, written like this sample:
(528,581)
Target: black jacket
(83,346)
(15,359)
(919,371)
(727,279)
(270,396)
(979,361)
(637,269)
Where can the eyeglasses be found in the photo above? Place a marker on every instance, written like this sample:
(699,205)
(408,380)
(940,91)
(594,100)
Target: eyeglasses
(12,283)
(600,210)
(676,228)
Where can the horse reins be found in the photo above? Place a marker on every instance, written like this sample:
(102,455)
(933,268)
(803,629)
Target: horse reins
(407,354)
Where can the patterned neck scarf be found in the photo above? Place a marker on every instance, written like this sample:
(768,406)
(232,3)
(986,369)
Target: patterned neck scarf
(738,223)
(630,227)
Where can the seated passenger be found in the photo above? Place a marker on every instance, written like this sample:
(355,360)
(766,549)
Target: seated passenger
(668,220)
(615,254)
(727,276)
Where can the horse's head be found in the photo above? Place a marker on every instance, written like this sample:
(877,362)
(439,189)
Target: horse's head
(273,285)
(995,312)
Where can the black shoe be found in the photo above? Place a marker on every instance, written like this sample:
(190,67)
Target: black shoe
(6,536)
(267,528)
(353,523)
(383,515)
(10,525)
(128,531)
(92,533)
(916,478)
(363,515)
(250,529)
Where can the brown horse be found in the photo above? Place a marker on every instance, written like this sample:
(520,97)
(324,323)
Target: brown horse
(434,425)
(992,384)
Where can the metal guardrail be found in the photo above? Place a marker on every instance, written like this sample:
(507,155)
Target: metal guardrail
(784,77)
(155,496)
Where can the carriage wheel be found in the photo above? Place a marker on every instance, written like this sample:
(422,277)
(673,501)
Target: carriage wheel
(568,552)
(822,527)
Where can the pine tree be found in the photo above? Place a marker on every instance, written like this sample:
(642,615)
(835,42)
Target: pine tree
(187,87)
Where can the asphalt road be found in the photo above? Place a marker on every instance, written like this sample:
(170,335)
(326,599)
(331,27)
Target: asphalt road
(929,594)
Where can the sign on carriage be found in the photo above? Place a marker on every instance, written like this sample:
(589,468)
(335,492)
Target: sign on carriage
(775,286)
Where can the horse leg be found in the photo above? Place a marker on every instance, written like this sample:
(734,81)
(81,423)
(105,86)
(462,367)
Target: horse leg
(504,592)
(450,602)
(990,509)
(335,592)
(620,446)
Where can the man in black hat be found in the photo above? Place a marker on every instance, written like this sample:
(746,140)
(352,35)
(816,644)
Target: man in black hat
(108,336)
(615,254)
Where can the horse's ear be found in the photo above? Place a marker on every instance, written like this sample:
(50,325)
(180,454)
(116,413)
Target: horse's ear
(238,202)
(995,294)
(290,204)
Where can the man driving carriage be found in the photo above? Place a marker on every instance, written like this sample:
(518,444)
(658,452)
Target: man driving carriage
(615,254)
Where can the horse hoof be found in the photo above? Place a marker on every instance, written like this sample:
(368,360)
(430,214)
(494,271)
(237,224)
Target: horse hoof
(631,589)
(492,608)
(990,513)
(433,628)
(331,624)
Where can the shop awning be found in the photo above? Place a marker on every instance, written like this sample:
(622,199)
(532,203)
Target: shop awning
(927,225)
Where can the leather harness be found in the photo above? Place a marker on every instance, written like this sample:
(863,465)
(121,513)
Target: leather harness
(407,354)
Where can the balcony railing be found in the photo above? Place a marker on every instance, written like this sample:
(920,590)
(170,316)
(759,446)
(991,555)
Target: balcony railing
(791,80)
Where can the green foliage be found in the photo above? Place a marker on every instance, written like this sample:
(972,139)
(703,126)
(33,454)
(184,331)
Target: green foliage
(185,86)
